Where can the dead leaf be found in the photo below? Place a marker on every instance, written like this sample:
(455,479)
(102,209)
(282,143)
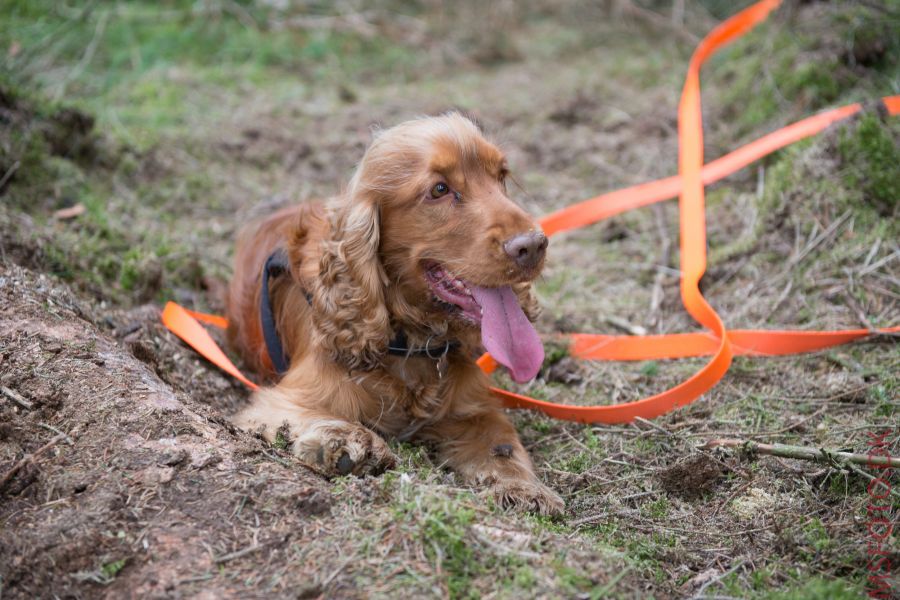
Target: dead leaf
(70,212)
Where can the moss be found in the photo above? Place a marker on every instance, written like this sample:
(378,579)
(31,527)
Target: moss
(554,352)
(111,569)
(658,509)
(576,463)
(282,439)
(870,153)
(800,69)
(649,368)
(817,589)
(448,546)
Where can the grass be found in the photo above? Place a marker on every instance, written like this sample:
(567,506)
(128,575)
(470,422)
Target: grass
(834,55)
(147,69)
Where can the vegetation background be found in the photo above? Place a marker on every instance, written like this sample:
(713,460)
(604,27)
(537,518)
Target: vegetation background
(137,136)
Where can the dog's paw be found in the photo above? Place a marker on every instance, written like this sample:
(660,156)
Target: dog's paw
(528,496)
(345,449)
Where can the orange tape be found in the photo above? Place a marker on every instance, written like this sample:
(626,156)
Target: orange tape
(184,323)
(717,342)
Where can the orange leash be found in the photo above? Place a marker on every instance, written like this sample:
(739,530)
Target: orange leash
(717,342)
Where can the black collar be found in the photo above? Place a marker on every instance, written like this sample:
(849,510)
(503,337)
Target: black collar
(276,265)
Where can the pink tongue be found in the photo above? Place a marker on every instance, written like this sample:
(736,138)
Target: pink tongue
(507,333)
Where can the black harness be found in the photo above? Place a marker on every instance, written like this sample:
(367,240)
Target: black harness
(276,265)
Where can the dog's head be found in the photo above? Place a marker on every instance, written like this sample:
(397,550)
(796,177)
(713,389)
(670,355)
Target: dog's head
(427,239)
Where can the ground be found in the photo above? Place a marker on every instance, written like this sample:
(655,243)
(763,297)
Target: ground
(137,137)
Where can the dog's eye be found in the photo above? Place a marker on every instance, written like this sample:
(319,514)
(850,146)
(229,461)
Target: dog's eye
(440,190)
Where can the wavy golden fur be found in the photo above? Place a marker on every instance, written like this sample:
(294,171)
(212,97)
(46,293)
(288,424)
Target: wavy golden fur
(427,192)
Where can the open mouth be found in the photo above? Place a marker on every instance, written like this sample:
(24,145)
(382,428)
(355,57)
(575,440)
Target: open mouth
(452,293)
(505,330)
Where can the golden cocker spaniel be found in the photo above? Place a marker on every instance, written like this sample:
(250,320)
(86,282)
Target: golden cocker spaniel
(376,305)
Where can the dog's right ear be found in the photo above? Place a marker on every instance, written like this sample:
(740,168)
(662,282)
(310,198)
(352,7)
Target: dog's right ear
(349,313)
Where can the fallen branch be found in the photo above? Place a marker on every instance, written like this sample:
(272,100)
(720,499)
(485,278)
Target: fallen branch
(827,457)
(830,458)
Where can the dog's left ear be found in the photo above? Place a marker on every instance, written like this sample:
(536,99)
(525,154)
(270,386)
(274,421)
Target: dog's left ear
(350,316)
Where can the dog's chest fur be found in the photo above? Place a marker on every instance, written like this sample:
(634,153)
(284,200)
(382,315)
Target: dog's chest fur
(411,393)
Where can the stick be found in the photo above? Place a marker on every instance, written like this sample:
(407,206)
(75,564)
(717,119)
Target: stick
(827,457)
(9,173)
(655,19)
(16,397)
(55,430)
(653,425)
(238,554)
(624,325)
(18,466)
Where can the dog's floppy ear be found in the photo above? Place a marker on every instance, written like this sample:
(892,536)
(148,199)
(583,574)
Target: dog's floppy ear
(351,320)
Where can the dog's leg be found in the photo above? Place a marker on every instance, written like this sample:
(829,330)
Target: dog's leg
(477,441)
(333,443)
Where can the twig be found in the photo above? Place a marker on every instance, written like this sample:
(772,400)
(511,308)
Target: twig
(649,423)
(827,457)
(55,430)
(678,13)
(875,266)
(88,55)
(625,325)
(656,297)
(337,571)
(277,459)
(859,313)
(656,19)
(812,245)
(241,14)
(237,554)
(18,466)
(604,592)
(638,495)
(588,519)
(717,579)
(9,173)
(865,475)
(16,397)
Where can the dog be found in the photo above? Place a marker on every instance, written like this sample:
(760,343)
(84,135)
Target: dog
(376,304)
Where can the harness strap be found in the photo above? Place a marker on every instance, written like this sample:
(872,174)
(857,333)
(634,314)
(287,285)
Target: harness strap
(277,264)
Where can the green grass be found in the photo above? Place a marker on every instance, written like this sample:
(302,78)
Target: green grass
(147,68)
(871,155)
(816,589)
(785,66)
(111,569)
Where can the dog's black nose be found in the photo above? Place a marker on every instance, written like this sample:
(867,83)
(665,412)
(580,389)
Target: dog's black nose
(527,249)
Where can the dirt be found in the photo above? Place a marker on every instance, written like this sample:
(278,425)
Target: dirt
(147,475)
(692,477)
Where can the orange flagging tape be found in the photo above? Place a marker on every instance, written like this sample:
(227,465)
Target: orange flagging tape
(689,184)
(184,323)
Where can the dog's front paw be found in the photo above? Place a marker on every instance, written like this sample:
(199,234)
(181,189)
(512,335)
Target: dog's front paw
(344,449)
(528,496)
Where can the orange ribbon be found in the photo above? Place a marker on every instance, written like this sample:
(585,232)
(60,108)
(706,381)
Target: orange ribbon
(720,343)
